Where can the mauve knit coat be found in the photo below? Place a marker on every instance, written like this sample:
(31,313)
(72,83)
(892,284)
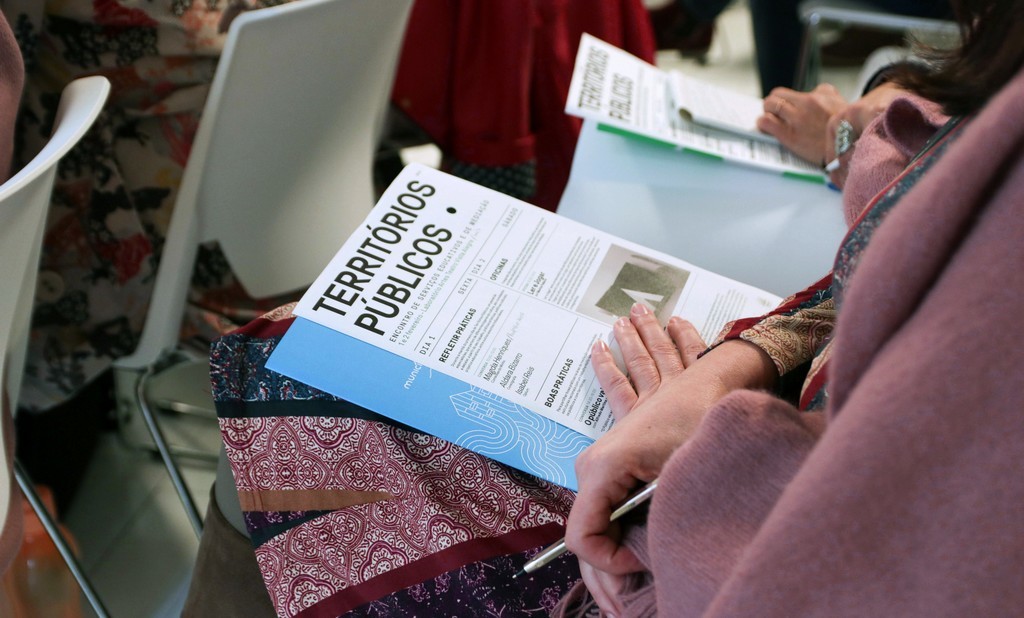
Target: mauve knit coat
(906,498)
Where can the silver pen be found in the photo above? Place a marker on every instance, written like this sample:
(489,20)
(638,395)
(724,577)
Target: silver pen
(553,551)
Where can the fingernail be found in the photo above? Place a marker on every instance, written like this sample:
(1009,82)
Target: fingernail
(622,323)
(640,309)
(599,347)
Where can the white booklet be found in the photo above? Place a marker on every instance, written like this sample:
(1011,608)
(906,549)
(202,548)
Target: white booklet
(706,104)
(626,95)
(504,298)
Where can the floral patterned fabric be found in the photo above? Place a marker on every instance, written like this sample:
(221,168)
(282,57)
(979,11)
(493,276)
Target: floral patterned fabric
(349,512)
(115,192)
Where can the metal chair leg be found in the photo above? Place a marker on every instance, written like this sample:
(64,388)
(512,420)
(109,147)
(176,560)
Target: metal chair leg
(165,454)
(58,539)
(165,402)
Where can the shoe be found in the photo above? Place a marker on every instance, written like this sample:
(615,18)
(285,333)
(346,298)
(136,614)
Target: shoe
(674,28)
(855,44)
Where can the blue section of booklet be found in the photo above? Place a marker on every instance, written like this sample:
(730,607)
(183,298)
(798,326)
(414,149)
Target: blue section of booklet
(429,401)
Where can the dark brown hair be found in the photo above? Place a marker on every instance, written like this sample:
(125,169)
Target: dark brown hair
(990,54)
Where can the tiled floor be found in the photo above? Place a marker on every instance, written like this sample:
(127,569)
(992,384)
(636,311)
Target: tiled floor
(136,543)
(135,540)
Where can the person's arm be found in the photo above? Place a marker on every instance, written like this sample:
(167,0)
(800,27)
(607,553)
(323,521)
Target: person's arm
(792,333)
(657,408)
(806,122)
(659,405)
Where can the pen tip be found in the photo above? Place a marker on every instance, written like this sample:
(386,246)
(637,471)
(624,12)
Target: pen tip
(519,574)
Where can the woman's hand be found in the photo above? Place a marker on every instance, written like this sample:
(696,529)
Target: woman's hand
(656,409)
(650,423)
(652,356)
(799,120)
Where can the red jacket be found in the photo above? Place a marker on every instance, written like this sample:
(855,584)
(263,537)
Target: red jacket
(487,80)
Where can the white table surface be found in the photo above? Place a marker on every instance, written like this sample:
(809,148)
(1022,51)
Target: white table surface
(776,233)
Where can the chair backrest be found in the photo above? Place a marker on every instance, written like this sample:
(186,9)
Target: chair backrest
(815,13)
(24,201)
(858,12)
(281,169)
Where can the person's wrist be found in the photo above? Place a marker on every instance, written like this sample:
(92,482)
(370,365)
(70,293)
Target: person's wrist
(743,365)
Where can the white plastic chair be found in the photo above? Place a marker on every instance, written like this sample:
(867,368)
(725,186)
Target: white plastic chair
(280,172)
(817,13)
(24,201)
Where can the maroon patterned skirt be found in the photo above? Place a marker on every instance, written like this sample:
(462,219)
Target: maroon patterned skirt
(350,512)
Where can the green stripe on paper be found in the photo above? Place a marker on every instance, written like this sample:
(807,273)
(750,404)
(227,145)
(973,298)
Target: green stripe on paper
(815,178)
